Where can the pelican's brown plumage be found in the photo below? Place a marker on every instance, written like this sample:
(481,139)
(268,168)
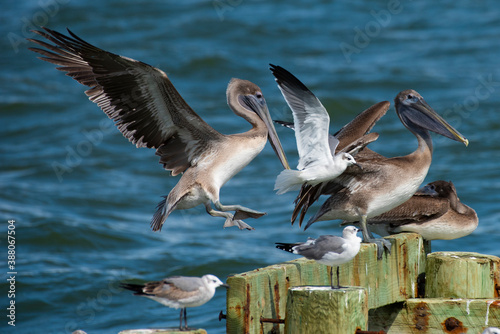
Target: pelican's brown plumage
(382,183)
(353,138)
(435,212)
(149,112)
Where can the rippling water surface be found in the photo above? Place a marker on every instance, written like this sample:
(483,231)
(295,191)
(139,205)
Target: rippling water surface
(82,196)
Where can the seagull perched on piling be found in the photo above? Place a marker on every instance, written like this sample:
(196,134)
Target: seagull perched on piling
(330,250)
(179,292)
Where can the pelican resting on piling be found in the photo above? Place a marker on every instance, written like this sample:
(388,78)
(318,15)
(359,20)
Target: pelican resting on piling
(149,112)
(318,161)
(382,183)
(434,211)
(330,250)
(179,292)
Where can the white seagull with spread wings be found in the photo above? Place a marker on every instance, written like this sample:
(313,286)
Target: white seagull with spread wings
(317,159)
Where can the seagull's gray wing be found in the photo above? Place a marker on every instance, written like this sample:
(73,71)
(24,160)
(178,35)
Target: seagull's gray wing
(333,142)
(173,288)
(324,244)
(311,120)
(185,283)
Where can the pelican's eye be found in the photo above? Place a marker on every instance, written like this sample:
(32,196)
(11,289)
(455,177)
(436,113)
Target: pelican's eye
(258,95)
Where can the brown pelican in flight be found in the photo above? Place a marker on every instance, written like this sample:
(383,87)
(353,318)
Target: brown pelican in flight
(382,183)
(318,161)
(149,112)
(434,211)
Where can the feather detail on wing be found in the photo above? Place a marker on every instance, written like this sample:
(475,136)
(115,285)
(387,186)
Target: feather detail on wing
(311,120)
(139,98)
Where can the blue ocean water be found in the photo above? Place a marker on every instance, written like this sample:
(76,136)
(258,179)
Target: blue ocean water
(82,196)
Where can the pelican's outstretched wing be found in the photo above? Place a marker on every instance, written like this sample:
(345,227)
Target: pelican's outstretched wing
(139,98)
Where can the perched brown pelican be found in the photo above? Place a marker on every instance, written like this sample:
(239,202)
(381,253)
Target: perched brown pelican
(381,183)
(434,211)
(318,161)
(149,112)
(179,292)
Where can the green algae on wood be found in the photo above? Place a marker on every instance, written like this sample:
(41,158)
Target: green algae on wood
(462,275)
(262,293)
(436,315)
(326,310)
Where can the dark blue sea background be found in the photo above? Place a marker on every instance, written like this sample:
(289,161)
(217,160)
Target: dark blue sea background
(82,196)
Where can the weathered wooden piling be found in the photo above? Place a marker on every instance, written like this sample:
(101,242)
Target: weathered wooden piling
(448,275)
(323,310)
(263,301)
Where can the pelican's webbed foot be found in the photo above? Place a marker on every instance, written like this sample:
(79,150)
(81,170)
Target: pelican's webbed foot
(381,245)
(230,219)
(237,222)
(368,238)
(241,212)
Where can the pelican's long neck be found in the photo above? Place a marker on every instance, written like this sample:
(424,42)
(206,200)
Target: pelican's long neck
(423,136)
(422,156)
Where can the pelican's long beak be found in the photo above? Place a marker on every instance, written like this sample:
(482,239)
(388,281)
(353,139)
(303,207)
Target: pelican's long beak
(427,118)
(259,106)
(428,189)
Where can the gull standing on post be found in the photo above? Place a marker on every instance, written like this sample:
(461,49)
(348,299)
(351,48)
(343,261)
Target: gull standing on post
(179,292)
(149,112)
(330,250)
(318,161)
(384,183)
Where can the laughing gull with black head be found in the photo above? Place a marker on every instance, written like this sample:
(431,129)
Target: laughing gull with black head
(330,250)
(179,292)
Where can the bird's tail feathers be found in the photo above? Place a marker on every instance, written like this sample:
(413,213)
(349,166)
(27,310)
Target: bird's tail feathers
(286,247)
(161,214)
(288,180)
(136,288)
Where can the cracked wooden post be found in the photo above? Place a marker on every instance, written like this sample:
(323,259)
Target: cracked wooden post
(462,275)
(315,309)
